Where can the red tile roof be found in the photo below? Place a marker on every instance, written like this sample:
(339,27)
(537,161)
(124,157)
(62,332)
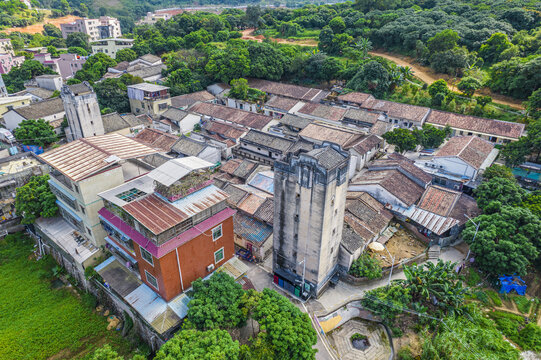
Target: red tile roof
(319,132)
(476,124)
(355,97)
(281,103)
(367,144)
(398,110)
(288,90)
(333,113)
(156,139)
(226,130)
(245,118)
(439,200)
(471,149)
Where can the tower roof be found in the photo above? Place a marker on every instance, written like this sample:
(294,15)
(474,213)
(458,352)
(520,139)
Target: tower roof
(328,157)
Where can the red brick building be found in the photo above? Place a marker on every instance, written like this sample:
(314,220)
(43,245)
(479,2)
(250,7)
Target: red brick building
(171,226)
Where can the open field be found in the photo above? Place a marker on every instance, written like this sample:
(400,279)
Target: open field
(39,322)
(38,27)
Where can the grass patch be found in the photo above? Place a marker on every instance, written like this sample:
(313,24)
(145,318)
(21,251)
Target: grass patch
(472,277)
(38,322)
(527,336)
(494,297)
(523,304)
(481,296)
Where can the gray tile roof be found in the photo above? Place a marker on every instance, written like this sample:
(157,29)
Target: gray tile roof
(350,240)
(150,58)
(80,88)
(235,194)
(192,98)
(148,71)
(266,211)
(270,141)
(133,120)
(188,147)
(113,122)
(41,109)
(327,157)
(301,145)
(155,160)
(362,116)
(39,92)
(295,121)
(174,114)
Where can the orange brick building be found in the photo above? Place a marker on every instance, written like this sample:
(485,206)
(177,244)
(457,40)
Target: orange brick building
(171,226)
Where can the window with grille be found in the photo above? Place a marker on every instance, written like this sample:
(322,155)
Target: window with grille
(151,280)
(219,255)
(217,232)
(147,256)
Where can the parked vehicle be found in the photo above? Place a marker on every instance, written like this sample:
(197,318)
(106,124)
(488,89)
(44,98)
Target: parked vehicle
(7,136)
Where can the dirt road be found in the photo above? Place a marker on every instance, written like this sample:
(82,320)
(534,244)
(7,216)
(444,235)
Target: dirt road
(38,27)
(428,76)
(248,35)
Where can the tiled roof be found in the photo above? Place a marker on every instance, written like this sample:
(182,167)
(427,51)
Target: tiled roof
(398,110)
(134,121)
(190,99)
(282,103)
(155,160)
(471,149)
(439,200)
(85,157)
(154,213)
(239,168)
(41,109)
(251,229)
(39,92)
(333,113)
(251,203)
(156,139)
(380,128)
(121,66)
(150,58)
(226,130)
(396,183)
(362,115)
(351,240)
(266,211)
(80,88)
(341,136)
(295,121)
(367,144)
(174,114)
(245,118)
(235,193)
(288,90)
(476,124)
(267,140)
(355,97)
(188,147)
(366,216)
(327,157)
(403,164)
(113,122)
(148,71)
(301,145)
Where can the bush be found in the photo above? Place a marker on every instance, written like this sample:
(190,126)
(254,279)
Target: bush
(366,266)
(89,300)
(358,336)
(473,278)
(482,297)
(405,354)
(530,337)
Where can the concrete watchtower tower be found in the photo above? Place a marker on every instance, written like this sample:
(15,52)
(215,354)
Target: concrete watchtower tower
(82,111)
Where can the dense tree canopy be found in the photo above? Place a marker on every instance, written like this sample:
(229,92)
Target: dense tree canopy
(35,132)
(199,345)
(35,199)
(507,241)
(15,79)
(498,192)
(403,139)
(216,303)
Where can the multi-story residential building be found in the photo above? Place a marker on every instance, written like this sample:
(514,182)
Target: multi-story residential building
(171,226)
(78,172)
(111,46)
(6,47)
(101,28)
(82,111)
(69,64)
(309,203)
(49,82)
(8,61)
(149,99)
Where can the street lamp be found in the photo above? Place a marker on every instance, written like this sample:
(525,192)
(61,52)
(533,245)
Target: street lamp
(474,235)
(392,264)
(303,270)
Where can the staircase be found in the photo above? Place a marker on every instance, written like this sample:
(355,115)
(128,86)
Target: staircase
(434,252)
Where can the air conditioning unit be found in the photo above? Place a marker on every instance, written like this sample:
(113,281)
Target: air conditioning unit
(210,267)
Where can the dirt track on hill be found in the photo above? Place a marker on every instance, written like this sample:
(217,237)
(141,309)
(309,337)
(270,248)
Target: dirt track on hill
(38,27)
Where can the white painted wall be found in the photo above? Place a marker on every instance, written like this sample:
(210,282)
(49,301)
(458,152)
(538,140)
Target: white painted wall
(456,166)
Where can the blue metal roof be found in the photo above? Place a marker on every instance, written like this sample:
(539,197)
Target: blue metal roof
(251,229)
(263,181)
(104,264)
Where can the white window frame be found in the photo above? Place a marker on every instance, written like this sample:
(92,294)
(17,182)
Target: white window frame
(223,255)
(151,262)
(221,232)
(147,274)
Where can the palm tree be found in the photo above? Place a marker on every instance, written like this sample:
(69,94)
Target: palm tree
(364,46)
(406,72)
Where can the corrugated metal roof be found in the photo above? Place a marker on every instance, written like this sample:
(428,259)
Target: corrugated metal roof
(176,169)
(251,229)
(433,222)
(263,180)
(200,200)
(84,157)
(155,214)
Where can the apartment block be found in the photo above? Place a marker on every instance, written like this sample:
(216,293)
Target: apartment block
(111,46)
(149,99)
(101,28)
